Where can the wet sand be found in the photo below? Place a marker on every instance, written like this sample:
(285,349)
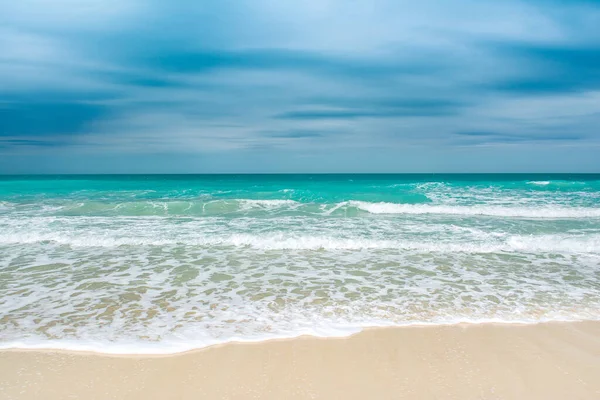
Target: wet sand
(544,361)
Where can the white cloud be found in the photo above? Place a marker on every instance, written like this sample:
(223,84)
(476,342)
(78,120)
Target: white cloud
(71,15)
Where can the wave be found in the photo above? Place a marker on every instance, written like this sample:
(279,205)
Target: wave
(560,183)
(267,203)
(173,346)
(547,244)
(6,205)
(318,330)
(484,210)
(351,208)
(542,183)
(176,207)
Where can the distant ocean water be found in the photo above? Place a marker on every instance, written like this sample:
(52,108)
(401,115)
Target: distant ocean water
(160,264)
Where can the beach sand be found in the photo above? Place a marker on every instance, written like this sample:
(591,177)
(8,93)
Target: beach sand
(489,361)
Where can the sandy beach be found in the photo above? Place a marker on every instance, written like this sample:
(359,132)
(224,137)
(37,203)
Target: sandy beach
(543,361)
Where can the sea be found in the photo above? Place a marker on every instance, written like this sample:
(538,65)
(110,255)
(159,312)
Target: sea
(158,264)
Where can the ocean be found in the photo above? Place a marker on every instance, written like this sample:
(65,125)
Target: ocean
(167,263)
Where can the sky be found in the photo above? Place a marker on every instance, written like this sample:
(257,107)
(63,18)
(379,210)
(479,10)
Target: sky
(276,86)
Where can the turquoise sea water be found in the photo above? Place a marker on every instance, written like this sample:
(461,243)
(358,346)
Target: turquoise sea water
(156,264)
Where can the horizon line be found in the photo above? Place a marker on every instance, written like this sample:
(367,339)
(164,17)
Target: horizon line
(292,173)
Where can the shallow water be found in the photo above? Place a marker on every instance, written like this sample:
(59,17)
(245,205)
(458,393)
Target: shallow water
(158,264)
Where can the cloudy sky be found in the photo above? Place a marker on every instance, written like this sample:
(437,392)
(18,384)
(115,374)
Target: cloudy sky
(299,86)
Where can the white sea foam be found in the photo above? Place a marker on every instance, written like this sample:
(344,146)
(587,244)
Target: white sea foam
(249,203)
(126,274)
(177,345)
(485,210)
(507,243)
(168,299)
(538,206)
(541,183)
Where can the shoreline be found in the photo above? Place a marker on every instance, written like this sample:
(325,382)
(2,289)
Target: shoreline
(235,342)
(553,360)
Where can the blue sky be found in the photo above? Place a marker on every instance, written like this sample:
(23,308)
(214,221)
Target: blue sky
(113,86)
